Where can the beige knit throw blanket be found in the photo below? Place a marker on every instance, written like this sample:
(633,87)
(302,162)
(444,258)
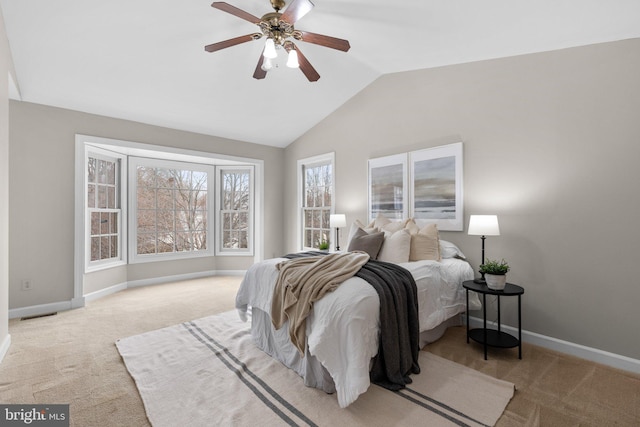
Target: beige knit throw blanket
(303,281)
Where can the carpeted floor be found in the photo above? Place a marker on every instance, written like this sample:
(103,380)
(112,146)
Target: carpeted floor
(71,358)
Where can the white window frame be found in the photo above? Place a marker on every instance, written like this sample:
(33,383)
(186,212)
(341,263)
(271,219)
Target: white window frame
(117,147)
(134,162)
(220,249)
(310,162)
(91,266)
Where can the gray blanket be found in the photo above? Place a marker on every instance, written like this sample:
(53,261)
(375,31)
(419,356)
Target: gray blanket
(397,356)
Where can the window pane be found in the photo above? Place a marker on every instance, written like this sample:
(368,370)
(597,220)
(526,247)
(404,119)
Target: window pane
(114,247)
(146,176)
(91,170)
(325,218)
(111,173)
(146,198)
(146,221)
(104,223)
(200,240)
(95,248)
(309,218)
(95,223)
(184,221)
(146,243)
(165,220)
(114,223)
(102,197)
(111,197)
(102,172)
(199,180)
(104,247)
(166,242)
(243,239)
(165,199)
(91,196)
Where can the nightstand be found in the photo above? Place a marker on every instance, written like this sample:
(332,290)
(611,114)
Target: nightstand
(494,337)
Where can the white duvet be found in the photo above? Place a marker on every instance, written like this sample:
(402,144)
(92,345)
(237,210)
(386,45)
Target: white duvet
(342,330)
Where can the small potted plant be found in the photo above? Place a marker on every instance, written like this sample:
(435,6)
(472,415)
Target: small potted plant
(323,245)
(495,273)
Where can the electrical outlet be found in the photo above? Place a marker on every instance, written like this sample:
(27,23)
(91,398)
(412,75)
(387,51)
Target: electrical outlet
(27,285)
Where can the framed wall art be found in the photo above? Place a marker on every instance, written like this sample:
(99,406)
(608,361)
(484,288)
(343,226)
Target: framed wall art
(436,186)
(388,187)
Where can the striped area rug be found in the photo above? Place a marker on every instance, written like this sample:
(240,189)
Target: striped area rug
(208,372)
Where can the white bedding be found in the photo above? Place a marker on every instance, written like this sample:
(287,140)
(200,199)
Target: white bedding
(342,330)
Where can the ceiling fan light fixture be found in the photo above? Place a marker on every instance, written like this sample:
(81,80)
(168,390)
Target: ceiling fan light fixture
(292,60)
(267,64)
(270,49)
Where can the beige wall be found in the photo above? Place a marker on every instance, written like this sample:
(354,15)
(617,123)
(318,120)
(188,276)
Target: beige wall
(5,66)
(551,145)
(41,187)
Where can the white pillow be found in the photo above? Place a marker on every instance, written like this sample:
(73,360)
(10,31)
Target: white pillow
(396,247)
(393,226)
(381,221)
(449,250)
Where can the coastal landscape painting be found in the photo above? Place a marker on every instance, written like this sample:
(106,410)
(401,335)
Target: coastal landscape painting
(388,187)
(436,186)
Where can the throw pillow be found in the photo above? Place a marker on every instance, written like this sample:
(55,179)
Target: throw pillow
(425,244)
(369,243)
(396,247)
(356,225)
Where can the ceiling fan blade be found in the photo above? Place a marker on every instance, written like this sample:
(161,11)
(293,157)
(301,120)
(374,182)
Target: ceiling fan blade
(307,68)
(296,10)
(226,7)
(259,73)
(327,41)
(232,42)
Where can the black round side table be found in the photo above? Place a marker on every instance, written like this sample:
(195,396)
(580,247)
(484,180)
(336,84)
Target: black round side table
(493,337)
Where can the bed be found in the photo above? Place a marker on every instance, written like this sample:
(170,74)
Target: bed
(343,327)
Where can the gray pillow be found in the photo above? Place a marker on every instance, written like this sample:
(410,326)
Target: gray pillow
(369,243)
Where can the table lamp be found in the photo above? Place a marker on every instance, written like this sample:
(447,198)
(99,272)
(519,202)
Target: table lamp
(336,221)
(483,225)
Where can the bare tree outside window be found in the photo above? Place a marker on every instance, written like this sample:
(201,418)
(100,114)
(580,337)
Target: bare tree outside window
(103,208)
(317,203)
(171,210)
(235,209)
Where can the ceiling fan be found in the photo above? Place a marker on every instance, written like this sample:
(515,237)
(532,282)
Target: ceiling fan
(278,29)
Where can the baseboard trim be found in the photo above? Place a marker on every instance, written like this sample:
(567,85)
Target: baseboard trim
(589,353)
(92,296)
(4,348)
(35,310)
(168,279)
(230,272)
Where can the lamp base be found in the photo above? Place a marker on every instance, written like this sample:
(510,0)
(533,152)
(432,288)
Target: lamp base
(480,281)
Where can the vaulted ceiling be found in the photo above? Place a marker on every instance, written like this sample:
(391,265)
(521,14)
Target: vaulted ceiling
(144,60)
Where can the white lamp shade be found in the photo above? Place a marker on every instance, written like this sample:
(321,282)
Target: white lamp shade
(292,61)
(337,221)
(267,64)
(483,225)
(270,49)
